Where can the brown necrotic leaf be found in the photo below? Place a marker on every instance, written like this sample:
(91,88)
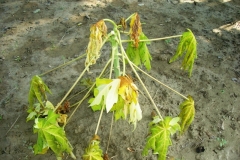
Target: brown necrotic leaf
(135,29)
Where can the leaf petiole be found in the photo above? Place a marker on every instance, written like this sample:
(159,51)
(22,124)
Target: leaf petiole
(154,39)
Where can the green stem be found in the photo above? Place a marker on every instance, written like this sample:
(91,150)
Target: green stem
(130,17)
(159,81)
(113,23)
(115,58)
(155,39)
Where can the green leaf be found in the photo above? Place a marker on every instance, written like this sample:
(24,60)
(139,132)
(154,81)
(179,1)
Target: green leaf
(160,137)
(93,152)
(51,135)
(187,113)
(140,55)
(39,110)
(37,91)
(188,45)
(118,108)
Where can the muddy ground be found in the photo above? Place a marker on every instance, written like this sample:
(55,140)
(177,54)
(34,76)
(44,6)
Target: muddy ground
(37,36)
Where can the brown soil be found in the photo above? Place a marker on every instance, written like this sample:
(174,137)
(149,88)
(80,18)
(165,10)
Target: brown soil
(33,43)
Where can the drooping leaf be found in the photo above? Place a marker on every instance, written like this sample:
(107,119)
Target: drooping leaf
(51,135)
(37,91)
(39,110)
(188,45)
(123,23)
(140,55)
(129,93)
(187,113)
(160,138)
(93,151)
(97,32)
(144,53)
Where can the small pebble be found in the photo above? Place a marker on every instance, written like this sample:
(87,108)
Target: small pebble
(234,79)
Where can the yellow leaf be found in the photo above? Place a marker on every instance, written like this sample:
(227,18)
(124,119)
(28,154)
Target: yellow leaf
(127,89)
(98,31)
(129,93)
(187,113)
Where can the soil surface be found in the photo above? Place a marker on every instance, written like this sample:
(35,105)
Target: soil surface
(37,36)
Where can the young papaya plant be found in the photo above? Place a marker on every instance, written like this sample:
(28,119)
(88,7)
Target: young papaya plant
(116,93)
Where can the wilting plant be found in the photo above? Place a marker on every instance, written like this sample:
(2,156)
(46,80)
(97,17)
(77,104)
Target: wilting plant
(117,93)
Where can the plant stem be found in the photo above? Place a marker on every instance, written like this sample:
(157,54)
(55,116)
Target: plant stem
(130,17)
(110,133)
(155,39)
(75,83)
(159,81)
(111,21)
(115,59)
(99,120)
(87,94)
(62,65)
(122,51)
(146,90)
(100,116)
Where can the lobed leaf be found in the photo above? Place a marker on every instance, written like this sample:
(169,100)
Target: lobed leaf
(188,45)
(51,135)
(93,151)
(187,113)
(160,137)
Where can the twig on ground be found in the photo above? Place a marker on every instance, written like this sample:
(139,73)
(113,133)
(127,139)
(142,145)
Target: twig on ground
(12,125)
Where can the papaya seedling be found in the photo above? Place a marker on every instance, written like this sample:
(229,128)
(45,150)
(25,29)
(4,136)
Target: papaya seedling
(116,93)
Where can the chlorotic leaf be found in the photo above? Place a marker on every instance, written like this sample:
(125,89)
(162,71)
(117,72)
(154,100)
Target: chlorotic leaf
(187,113)
(187,44)
(109,94)
(160,137)
(93,151)
(37,91)
(129,93)
(51,135)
